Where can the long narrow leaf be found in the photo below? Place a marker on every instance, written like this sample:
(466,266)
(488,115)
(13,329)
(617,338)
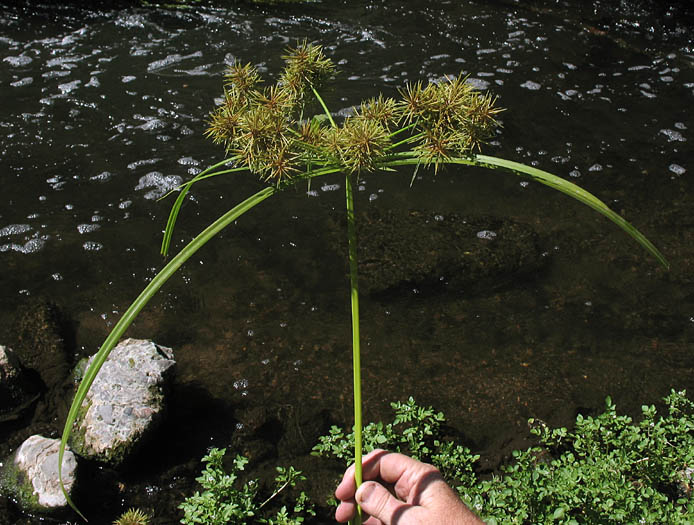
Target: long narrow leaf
(176,208)
(124,322)
(150,290)
(548,179)
(173,214)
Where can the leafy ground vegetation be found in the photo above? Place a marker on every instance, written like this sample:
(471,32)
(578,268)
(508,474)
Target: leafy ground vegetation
(226,499)
(609,469)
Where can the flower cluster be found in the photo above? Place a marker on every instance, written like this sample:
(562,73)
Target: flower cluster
(454,118)
(264,129)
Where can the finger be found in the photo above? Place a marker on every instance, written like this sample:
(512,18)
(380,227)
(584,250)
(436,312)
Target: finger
(348,486)
(410,478)
(371,464)
(380,504)
(345,511)
(348,509)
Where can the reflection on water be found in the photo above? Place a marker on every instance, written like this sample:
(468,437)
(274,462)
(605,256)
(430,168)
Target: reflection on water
(104,113)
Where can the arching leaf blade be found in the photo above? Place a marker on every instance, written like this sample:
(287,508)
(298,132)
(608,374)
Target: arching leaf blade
(173,213)
(131,313)
(543,177)
(578,193)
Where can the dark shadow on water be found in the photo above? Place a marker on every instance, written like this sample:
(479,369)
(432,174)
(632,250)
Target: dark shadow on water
(194,422)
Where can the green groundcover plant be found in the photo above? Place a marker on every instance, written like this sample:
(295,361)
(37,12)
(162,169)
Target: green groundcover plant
(608,469)
(224,499)
(269,130)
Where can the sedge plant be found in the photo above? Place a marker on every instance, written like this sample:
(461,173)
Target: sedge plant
(266,130)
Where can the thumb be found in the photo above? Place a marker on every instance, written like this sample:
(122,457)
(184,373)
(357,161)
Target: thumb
(376,501)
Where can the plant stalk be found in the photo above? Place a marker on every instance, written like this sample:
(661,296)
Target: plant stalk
(354,300)
(356,357)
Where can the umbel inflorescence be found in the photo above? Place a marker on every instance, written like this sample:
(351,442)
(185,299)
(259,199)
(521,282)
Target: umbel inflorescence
(265,128)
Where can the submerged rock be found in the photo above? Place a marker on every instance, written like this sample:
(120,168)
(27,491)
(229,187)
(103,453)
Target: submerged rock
(303,425)
(125,402)
(10,371)
(40,344)
(30,476)
(16,391)
(426,249)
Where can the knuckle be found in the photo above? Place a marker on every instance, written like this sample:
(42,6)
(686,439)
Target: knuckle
(380,503)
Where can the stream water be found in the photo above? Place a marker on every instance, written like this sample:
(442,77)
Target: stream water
(104,111)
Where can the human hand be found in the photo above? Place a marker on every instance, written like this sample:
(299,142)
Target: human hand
(405,492)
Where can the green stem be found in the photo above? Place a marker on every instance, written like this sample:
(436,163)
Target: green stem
(354,296)
(356,358)
(274,494)
(408,140)
(325,108)
(402,129)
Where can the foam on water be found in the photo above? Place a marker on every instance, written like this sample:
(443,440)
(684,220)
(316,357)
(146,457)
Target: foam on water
(160,184)
(677,169)
(529,84)
(488,235)
(87,228)
(18,61)
(14,229)
(673,136)
(169,60)
(31,246)
(92,246)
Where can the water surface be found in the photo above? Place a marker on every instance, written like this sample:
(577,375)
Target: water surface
(104,111)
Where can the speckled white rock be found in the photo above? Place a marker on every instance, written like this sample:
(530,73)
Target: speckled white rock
(35,474)
(11,393)
(125,401)
(9,365)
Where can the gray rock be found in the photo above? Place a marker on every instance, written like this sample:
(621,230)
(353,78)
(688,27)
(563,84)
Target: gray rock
(31,476)
(9,365)
(125,402)
(685,484)
(15,392)
(39,344)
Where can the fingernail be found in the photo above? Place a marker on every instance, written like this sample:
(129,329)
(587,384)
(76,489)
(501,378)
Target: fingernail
(364,493)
